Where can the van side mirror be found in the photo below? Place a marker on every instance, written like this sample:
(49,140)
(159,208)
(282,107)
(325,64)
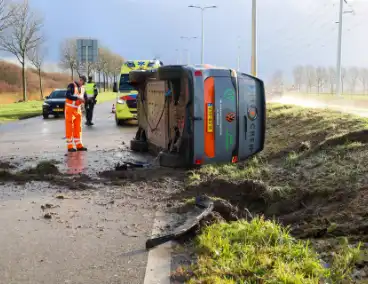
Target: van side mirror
(115,88)
(47,97)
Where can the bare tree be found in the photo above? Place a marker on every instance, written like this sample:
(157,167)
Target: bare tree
(88,67)
(68,54)
(352,77)
(363,78)
(22,36)
(277,81)
(343,78)
(310,73)
(321,75)
(6,15)
(118,61)
(332,78)
(298,74)
(103,64)
(37,56)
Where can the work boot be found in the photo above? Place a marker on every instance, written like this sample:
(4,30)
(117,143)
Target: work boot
(91,123)
(88,123)
(72,150)
(82,149)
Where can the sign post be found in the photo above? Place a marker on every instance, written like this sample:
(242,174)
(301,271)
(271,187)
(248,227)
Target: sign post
(87,54)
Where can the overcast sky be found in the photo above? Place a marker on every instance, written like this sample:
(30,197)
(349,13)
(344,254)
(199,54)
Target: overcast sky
(291,32)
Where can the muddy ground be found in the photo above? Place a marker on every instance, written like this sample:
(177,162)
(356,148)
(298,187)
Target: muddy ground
(312,179)
(73,218)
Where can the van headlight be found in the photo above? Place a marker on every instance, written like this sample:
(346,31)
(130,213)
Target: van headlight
(45,104)
(120,101)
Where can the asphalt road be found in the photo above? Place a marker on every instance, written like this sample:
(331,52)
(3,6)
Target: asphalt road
(93,236)
(38,135)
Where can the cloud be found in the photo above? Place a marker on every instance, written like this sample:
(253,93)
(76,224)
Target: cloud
(291,32)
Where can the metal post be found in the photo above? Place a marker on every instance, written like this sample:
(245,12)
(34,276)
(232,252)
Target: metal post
(339,51)
(254,37)
(87,60)
(177,58)
(188,56)
(238,55)
(202,52)
(202,15)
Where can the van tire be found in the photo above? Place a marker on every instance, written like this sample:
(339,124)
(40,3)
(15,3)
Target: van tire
(140,76)
(138,146)
(172,72)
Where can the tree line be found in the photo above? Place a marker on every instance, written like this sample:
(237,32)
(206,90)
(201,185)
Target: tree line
(107,67)
(21,35)
(311,79)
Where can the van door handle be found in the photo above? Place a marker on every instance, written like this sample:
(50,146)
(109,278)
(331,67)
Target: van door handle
(197,118)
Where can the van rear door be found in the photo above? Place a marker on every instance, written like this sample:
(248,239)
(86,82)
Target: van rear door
(252,115)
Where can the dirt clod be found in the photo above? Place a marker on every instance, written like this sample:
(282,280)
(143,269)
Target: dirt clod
(6,166)
(43,168)
(47,216)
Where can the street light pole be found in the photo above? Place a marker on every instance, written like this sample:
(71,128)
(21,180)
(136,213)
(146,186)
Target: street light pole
(238,59)
(339,47)
(202,15)
(339,50)
(187,50)
(254,38)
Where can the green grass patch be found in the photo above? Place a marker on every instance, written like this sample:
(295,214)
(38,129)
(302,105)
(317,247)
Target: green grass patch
(22,110)
(262,251)
(15,111)
(312,172)
(105,97)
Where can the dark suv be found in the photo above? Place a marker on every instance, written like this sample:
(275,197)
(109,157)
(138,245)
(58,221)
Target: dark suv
(54,103)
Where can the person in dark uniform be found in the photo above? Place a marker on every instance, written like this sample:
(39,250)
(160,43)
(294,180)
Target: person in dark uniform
(90,97)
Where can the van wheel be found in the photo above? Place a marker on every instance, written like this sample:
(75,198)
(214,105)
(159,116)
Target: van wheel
(45,115)
(170,72)
(138,146)
(140,76)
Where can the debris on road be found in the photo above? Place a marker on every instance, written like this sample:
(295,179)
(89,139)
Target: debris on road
(44,168)
(7,166)
(201,202)
(47,216)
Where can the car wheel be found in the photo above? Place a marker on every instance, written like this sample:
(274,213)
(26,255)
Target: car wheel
(172,160)
(45,115)
(140,76)
(118,122)
(170,72)
(138,146)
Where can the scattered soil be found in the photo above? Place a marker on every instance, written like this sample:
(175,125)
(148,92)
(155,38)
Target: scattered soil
(311,177)
(47,171)
(43,168)
(142,174)
(6,166)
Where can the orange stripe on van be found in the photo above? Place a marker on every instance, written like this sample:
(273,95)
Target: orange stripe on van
(209,121)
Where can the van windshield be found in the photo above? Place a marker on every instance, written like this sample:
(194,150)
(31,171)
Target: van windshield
(124,83)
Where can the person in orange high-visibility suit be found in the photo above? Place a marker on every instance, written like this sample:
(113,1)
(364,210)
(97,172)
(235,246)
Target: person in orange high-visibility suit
(73,115)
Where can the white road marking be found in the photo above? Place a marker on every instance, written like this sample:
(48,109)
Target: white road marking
(159,258)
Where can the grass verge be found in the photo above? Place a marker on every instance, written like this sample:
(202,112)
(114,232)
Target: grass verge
(105,97)
(262,251)
(23,110)
(311,177)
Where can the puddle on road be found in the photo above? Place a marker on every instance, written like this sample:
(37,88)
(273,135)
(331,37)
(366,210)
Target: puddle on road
(88,163)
